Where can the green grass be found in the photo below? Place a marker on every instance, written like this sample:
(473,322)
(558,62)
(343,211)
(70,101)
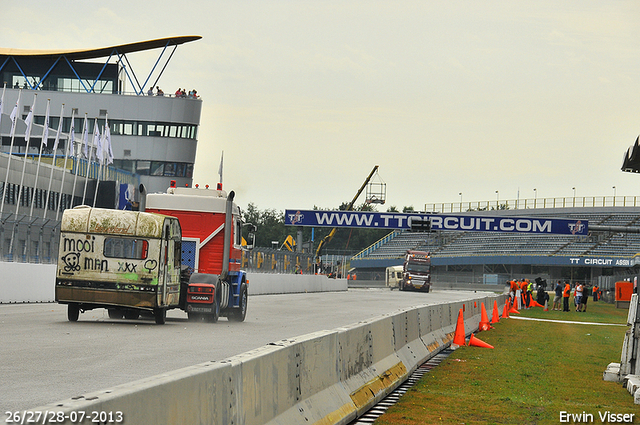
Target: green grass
(536,370)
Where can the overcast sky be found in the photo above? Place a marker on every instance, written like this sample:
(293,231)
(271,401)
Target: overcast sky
(447,97)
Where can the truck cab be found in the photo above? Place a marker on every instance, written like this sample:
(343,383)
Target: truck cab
(393,276)
(416,272)
(211,249)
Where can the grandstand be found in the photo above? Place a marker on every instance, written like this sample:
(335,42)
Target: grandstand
(475,258)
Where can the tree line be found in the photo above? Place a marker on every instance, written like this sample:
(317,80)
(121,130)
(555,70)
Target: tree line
(270,228)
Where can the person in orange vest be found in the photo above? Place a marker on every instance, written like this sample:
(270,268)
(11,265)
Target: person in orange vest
(524,286)
(565,296)
(513,287)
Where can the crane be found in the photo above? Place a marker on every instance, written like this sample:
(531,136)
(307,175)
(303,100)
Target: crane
(333,231)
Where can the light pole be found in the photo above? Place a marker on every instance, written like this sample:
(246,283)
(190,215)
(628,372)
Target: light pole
(614,196)
(535,196)
(574,196)
(497,199)
(460,201)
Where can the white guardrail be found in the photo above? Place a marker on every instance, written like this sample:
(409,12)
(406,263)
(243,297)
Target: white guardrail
(326,377)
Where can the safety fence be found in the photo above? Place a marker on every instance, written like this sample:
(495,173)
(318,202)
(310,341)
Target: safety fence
(28,239)
(269,260)
(519,204)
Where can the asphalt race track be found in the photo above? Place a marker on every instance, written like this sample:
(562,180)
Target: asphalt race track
(45,358)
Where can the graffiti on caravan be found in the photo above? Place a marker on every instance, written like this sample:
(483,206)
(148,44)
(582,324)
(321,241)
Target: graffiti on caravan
(360,219)
(78,245)
(73,258)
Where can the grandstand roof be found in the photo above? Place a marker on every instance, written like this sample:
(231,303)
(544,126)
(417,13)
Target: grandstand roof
(80,54)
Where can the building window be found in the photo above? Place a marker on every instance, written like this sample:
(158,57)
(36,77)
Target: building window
(142,167)
(157,168)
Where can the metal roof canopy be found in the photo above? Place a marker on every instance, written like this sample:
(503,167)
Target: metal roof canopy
(120,51)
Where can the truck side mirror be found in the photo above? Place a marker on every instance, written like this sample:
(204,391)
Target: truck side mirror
(251,237)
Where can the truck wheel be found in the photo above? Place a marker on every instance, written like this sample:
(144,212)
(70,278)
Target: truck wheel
(160,315)
(213,317)
(73,312)
(115,313)
(131,314)
(239,314)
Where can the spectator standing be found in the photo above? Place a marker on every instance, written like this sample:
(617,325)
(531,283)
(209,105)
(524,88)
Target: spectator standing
(565,296)
(558,297)
(585,297)
(578,296)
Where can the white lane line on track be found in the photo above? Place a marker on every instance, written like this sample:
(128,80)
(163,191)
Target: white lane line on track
(566,321)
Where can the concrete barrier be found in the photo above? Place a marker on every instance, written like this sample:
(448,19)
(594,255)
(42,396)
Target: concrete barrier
(23,282)
(30,283)
(327,377)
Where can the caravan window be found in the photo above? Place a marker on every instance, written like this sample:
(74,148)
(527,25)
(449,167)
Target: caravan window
(132,249)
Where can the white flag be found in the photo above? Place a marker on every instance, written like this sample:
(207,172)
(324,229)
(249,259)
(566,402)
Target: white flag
(2,99)
(14,117)
(85,138)
(108,143)
(72,137)
(29,120)
(97,142)
(57,140)
(45,130)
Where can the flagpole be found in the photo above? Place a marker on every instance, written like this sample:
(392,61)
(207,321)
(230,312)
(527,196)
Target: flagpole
(27,136)
(84,192)
(53,163)
(84,141)
(99,155)
(69,150)
(43,142)
(14,115)
(88,154)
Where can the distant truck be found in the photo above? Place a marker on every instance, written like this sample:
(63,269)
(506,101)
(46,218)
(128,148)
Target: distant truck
(393,276)
(183,252)
(416,271)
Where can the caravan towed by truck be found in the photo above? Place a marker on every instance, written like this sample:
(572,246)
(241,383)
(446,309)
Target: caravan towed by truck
(129,262)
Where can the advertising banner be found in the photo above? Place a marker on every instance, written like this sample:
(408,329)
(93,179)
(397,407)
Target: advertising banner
(391,220)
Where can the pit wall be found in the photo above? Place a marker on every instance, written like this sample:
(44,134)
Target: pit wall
(23,282)
(326,377)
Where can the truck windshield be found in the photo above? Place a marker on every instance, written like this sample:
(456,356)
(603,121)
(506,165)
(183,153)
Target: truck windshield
(133,249)
(418,267)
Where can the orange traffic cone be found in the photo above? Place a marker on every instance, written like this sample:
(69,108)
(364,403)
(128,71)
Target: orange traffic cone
(546,305)
(513,309)
(475,342)
(496,315)
(535,303)
(458,338)
(484,319)
(505,309)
